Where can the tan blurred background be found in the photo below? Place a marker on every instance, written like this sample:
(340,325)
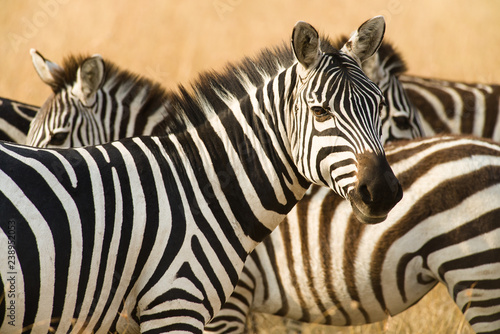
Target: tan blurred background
(170,41)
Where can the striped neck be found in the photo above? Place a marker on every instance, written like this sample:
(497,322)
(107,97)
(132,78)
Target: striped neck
(253,174)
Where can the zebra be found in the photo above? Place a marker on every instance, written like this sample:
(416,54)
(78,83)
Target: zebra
(15,119)
(455,107)
(64,121)
(91,87)
(242,152)
(320,265)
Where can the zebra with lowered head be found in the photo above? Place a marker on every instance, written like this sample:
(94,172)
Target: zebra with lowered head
(98,103)
(150,233)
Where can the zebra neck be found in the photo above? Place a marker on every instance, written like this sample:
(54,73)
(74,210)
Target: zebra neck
(140,108)
(245,160)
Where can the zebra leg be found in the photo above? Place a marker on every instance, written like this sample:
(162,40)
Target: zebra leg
(232,317)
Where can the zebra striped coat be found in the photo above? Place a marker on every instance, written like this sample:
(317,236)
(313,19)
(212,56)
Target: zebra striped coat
(455,107)
(322,266)
(90,233)
(15,119)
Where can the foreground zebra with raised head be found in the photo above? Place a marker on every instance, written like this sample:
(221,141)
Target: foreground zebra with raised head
(151,233)
(322,266)
(15,119)
(455,107)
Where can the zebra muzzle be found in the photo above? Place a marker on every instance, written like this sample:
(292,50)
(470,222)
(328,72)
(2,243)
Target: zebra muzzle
(377,190)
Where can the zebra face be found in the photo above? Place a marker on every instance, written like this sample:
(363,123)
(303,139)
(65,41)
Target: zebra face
(47,130)
(399,117)
(335,123)
(74,104)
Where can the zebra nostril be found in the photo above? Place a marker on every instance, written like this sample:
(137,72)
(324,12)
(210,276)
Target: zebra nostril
(365,194)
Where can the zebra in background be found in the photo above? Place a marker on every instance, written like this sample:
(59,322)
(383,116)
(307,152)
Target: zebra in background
(94,117)
(455,107)
(96,246)
(322,266)
(15,119)
(64,121)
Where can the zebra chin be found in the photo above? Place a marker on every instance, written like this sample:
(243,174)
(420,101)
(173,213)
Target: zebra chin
(366,219)
(377,190)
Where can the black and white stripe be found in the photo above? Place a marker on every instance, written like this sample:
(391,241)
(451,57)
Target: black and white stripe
(96,103)
(15,119)
(322,266)
(400,120)
(455,107)
(151,233)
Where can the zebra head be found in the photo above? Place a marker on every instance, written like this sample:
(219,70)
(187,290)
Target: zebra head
(74,99)
(335,123)
(93,102)
(399,117)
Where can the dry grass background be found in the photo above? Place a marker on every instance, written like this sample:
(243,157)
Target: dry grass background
(171,41)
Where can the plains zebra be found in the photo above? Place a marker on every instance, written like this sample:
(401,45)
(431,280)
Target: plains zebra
(97,103)
(322,266)
(151,233)
(455,107)
(64,121)
(15,119)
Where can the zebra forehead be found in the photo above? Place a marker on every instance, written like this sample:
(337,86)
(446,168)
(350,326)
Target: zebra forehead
(389,58)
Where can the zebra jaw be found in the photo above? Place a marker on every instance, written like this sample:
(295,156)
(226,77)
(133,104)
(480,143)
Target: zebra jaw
(370,220)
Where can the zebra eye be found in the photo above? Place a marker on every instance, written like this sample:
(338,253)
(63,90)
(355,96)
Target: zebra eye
(381,105)
(402,122)
(59,138)
(320,111)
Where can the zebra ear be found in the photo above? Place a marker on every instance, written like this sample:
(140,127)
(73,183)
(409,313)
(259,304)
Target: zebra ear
(45,68)
(305,44)
(89,78)
(366,40)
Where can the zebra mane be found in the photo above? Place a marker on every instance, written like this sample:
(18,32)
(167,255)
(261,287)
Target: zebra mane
(389,57)
(190,105)
(66,75)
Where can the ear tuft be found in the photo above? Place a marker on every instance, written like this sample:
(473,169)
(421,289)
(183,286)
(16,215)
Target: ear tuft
(366,40)
(305,44)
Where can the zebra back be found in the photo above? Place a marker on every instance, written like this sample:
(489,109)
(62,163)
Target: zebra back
(322,266)
(15,119)
(455,107)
